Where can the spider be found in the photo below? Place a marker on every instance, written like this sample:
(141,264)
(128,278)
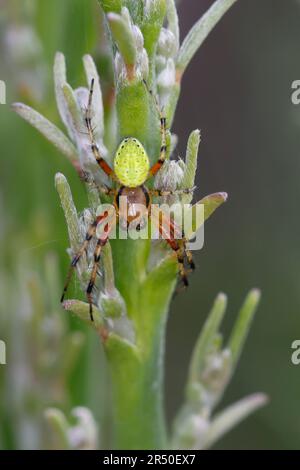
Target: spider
(131,170)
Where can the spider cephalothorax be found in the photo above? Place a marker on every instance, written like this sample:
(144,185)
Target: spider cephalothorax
(131,170)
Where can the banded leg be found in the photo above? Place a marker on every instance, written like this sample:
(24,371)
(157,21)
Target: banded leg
(179,250)
(177,245)
(188,254)
(101,242)
(163,131)
(88,121)
(89,235)
(182,252)
(162,192)
(102,188)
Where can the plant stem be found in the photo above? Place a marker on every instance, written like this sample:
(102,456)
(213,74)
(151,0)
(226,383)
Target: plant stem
(137,370)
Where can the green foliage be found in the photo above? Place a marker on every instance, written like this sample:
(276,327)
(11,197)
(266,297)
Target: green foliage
(138,280)
(200,31)
(210,371)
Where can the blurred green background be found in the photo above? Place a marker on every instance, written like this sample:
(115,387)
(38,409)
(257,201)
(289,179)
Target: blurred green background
(237,91)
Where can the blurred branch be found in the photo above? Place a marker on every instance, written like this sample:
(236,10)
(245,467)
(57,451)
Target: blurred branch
(232,416)
(48,130)
(242,325)
(200,31)
(210,370)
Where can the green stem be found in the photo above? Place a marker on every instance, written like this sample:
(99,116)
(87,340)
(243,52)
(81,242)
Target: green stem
(137,396)
(137,369)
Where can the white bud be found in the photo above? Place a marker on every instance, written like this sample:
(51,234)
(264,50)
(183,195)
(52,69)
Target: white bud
(119,65)
(82,95)
(84,434)
(169,177)
(126,15)
(167,77)
(160,62)
(191,431)
(144,64)
(166,43)
(139,38)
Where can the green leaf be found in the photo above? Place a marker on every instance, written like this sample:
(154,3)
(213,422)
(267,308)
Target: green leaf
(206,338)
(82,311)
(48,130)
(136,10)
(232,416)
(123,35)
(172,103)
(70,212)
(98,112)
(111,5)
(152,24)
(173,23)
(135,7)
(60,78)
(200,31)
(242,325)
(60,427)
(191,158)
(210,204)
(73,108)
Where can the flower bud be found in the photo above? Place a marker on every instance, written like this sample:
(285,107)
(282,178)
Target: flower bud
(166,43)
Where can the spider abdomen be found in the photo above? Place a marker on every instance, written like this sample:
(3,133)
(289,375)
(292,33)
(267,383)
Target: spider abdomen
(131,163)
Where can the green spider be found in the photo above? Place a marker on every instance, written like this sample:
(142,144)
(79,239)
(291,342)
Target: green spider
(131,170)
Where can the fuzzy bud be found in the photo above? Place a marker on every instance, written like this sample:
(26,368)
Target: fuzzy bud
(166,43)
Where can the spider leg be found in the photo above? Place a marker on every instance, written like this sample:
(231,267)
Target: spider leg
(89,235)
(163,131)
(162,192)
(102,188)
(88,121)
(101,242)
(169,231)
(183,253)
(188,254)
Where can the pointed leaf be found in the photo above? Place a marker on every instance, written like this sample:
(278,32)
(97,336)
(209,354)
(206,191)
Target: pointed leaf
(232,416)
(124,38)
(242,324)
(200,31)
(66,199)
(188,181)
(60,78)
(98,113)
(48,130)
(206,338)
(199,215)
(212,202)
(152,23)
(173,22)
(82,310)
(73,108)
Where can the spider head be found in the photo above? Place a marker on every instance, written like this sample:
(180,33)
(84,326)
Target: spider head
(131,163)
